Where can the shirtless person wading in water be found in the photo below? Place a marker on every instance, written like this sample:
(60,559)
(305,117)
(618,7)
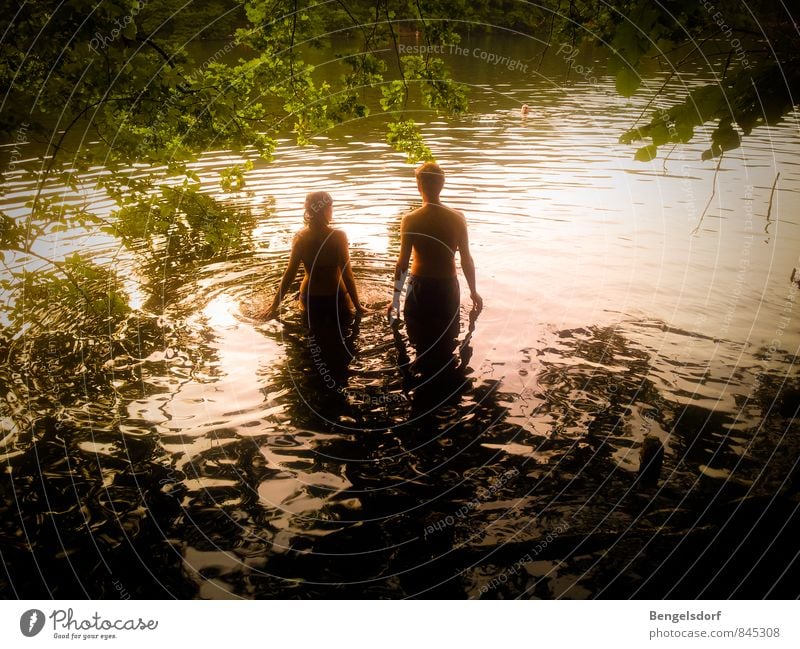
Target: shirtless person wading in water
(433,233)
(328,289)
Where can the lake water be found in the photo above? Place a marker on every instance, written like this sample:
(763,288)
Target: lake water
(226,468)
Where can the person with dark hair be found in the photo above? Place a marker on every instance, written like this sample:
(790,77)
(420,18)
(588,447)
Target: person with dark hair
(328,287)
(433,234)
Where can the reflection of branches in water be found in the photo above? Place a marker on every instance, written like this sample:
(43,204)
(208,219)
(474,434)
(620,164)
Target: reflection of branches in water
(771,196)
(87,513)
(710,198)
(172,234)
(383,504)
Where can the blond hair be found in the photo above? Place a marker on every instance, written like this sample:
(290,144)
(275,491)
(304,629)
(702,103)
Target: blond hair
(430,177)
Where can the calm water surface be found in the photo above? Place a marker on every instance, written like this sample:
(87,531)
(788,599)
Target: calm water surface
(226,468)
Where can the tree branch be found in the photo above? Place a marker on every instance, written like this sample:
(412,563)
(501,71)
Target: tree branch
(771,196)
(397,54)
(710,198)
(163,53)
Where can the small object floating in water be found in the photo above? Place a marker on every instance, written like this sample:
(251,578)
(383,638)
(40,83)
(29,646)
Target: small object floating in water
(795,276)
(651,457)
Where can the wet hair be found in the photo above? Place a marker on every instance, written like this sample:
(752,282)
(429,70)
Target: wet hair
(430,178)
(315,205)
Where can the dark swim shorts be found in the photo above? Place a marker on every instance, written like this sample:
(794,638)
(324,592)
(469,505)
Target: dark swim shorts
(432,309)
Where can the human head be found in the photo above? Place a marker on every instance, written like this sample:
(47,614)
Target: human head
(318,208)
(430,180)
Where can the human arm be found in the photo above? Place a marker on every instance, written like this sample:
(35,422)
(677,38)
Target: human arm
(468,264)
(347,276)
(286,281)
(400,269)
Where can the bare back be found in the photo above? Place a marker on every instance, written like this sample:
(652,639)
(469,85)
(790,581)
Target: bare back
(324,254)
(435,233)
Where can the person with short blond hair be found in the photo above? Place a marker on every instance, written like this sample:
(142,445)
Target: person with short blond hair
(430,178)
(431,235)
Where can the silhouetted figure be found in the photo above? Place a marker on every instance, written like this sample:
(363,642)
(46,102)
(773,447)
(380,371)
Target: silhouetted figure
(432,235)
(328,290)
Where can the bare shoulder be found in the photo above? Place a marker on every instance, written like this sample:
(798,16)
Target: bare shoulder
(457,220)
(410,219)
(458,214)
(413,214)
(300,237)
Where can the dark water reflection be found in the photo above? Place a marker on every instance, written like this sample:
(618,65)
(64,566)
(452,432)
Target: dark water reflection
(218,460)
(388,488)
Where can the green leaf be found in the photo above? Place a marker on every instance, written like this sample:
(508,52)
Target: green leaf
(405,136)
(646,153)
(393,95)
(130,30)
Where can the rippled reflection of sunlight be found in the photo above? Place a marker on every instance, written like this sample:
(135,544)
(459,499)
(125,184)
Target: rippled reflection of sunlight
(221,310)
